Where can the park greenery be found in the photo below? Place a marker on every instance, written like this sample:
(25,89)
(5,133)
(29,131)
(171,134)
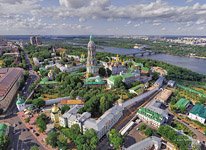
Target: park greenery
(182,142)
(179,126)
(38,102)
(4,142)
(64,108)
(41,122)
(13,61)
(115,139)
(86,141)
(146,129)
(41,53)
(34,147)
(187,94)
(97,99)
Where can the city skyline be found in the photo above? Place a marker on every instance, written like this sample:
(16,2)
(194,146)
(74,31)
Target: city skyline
(102,17)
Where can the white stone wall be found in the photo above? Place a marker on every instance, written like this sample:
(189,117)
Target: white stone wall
(196,117)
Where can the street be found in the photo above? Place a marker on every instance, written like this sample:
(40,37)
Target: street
(20,137)
(33,77)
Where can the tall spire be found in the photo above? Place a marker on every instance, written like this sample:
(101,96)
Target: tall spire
(90,37)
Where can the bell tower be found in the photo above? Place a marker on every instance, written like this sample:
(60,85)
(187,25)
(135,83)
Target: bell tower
(91,58)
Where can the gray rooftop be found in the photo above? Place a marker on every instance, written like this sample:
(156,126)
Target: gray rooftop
(104,119)
(147,143)
(156,107)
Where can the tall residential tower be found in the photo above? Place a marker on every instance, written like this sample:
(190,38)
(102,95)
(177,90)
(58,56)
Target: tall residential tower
(92,67)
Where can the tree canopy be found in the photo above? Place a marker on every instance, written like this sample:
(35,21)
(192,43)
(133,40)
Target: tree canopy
(116,139)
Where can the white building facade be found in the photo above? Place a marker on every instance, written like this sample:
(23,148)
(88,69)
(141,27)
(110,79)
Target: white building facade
(101,125)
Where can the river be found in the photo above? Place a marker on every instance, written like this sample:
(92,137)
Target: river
(194,64)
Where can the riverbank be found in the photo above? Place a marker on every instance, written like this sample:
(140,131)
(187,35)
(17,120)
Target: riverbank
(193,64)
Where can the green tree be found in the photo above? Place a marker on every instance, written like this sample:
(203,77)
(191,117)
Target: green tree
(104,104)
(64,108)
(109,72)
(52,139)
(72,133)
(148,132)
(34,147)
(4,141)
(41,122)
(87,141)
(62,142)
(38,102)
(102,72)
(142,127)
(115,139)
(118,82)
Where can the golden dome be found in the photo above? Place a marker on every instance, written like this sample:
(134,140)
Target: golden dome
(55,109)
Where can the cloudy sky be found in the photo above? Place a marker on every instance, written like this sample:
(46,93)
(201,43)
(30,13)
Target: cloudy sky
(75,17)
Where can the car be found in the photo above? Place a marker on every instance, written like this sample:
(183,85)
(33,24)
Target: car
(37,134)
(20,122)
(30,127)
(137,129)
(24,130)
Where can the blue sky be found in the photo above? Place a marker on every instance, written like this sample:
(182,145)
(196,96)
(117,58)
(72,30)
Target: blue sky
(118,17)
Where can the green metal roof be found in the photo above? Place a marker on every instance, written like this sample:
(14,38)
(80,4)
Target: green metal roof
(19,100)
(137,87)
(94,81)
(137,64)
(3,128)
(182,103)
(113,78)
(150,114)
(46,81)
(124,76)
(200,110)
(127,75)
(145,69)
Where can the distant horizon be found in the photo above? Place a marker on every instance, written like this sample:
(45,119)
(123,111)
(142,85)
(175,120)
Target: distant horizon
(172,35)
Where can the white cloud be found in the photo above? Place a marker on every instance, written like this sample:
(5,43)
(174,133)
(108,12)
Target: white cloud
(74,3)
(200,28)
(30,14)
(129,22)
(200,21)
(163,29)
(137,25)
(156,24)
(189,1)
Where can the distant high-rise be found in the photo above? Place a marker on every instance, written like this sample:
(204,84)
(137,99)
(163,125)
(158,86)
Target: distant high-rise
(92,67)
(35,40)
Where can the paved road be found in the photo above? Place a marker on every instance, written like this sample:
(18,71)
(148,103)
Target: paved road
(32,76)
(201,137)
(21,138)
